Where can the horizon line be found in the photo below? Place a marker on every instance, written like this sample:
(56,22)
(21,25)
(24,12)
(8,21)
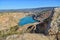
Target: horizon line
(32,8)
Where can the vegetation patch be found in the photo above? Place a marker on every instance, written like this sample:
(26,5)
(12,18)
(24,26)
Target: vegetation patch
(11,31)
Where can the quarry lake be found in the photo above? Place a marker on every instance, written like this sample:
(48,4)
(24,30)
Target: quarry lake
(26,20)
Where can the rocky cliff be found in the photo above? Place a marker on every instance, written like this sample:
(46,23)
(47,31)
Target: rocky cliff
(48,27)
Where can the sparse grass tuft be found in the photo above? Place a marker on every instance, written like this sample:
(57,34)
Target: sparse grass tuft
(11,31)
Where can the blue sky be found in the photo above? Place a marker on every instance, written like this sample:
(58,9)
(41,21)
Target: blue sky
(21,4)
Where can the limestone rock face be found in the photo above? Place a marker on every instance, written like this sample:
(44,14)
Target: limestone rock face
(55,22)
(27,36)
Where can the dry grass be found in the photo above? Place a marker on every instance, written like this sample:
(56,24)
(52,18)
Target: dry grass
(9,19)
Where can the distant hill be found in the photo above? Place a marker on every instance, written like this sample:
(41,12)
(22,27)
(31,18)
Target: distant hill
(28,10)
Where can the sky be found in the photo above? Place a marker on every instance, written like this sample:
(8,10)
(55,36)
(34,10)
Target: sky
(22,4)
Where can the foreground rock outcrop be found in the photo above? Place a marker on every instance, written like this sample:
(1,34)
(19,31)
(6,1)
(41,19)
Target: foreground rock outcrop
(27,36)
(54,24)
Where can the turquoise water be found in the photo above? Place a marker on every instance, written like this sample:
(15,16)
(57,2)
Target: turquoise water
(26,20)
